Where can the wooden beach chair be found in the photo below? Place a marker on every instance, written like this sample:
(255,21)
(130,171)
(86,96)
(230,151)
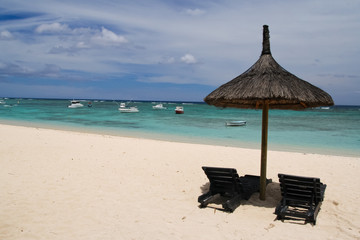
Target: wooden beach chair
(227,183)
(301,198)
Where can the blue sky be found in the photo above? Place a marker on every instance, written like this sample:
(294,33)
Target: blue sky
(172,49)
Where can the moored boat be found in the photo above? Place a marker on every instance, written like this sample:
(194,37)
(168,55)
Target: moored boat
(124,109)
(179,110)
(159,106)
(235,123)
(75,104)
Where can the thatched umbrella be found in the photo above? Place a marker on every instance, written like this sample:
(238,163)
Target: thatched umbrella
(267,85)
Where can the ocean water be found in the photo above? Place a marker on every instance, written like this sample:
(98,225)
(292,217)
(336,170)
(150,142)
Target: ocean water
(334,131)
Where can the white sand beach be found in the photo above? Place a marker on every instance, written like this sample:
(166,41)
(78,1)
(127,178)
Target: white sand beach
(68,185)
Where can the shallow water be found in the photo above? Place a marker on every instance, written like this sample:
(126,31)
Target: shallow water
(334,131)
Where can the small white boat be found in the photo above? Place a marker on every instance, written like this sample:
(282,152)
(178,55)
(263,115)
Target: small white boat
(75,104)
(159,107)
(235,123)
(321,108)
(179,110)
(124,109)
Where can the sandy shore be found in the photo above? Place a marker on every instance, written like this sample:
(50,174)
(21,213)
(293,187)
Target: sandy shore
(68,185)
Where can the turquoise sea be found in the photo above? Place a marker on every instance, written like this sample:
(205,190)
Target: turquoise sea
(334,130)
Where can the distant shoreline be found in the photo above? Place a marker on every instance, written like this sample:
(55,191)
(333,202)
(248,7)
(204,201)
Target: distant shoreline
(179,139)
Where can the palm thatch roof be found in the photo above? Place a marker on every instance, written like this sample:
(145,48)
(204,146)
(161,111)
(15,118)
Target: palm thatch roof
(266,81)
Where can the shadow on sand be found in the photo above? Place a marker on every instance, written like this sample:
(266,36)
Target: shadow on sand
(273,197)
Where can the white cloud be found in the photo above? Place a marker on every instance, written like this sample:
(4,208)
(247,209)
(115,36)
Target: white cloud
(5,35)
(53,27)
(82,45)
(107,37)
(58,49)
(194,12)
(188,59)
(79,38)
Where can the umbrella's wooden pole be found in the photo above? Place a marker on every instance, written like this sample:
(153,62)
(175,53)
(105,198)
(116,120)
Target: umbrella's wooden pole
(264,137)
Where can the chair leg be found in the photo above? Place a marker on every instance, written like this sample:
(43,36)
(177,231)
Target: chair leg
(280,211)
(205,199)
(231,204)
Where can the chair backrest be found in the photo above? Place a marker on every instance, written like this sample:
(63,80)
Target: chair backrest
(223,180)
(301,189)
